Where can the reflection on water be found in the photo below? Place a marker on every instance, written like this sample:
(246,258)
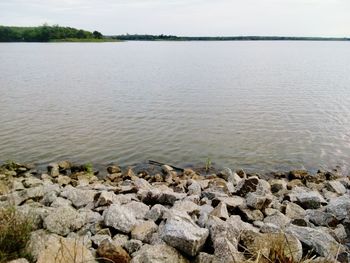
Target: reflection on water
(255,105)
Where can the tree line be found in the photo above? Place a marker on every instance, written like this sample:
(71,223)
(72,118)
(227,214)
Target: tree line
(44,33)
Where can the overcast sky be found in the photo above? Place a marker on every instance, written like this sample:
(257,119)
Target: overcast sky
(186,17)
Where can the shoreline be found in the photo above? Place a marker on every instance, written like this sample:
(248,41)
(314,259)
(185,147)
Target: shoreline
(165,214)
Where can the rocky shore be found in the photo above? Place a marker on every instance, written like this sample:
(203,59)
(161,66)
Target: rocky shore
(165,215)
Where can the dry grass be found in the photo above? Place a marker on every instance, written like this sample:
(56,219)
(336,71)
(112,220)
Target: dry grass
(15,231)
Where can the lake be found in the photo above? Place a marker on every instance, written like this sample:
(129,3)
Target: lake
(261,106)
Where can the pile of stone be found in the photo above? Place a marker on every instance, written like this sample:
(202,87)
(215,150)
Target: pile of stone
(180,217)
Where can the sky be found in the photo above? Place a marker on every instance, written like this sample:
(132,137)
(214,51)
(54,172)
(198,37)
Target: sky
(186,17)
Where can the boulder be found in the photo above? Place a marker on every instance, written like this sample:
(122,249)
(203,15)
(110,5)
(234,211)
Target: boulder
(105,198)
(339,207)
(220,211)
(321,218)
(64,220)
(186,206)
(247,185)
(278,219)
(137,208)
(113,169)
(294,211)
(182,233)
(120,218)
(112,252)
(158,254)
(306,198)
(336,187)
(156,212)
(78,197)
(132,245)
(321,242)
(53,169)
(258,202)
(143,231)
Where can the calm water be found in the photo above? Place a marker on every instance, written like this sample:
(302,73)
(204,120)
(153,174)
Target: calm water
(255,105)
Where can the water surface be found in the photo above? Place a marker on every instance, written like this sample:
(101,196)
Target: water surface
(253,105)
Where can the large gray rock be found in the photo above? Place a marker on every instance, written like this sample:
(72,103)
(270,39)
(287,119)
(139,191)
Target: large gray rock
(64,220)
(321,242)
(120,218)
(138,209)
(278,219)
(294,211)
(336,187)
(143,231)
(158,254)
(306,198)
(78,197)
(258,202)
(321,218)
(156,212)
(182,233)
(339,207)
(186,206)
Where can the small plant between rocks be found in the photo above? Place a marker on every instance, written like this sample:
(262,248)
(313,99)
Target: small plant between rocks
(15,229)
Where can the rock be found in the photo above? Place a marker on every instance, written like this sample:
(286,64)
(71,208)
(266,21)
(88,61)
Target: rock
(220,211)
(157,196)
(144,231)
(19,260)
(277,219)
(272,243)
(113,169)
(53,169)
(59,201)
(336,187)
(321,242)
(120,239)
(110,251)
(138,209)
(204,215)
(63,220)
(306,198)
(194,188)
(278,185)
(258,202)
(294,211)
(204,258)
(247,185)
(298,174)
(158,254)
(225,173)
(120,218)
(97,239)
(186,206)
(339,207)
(226,252)
(64,165)
(294,183)
(320,218)
(59,249)
(251,215)
(105,198)
(78,197)
(31,182)
(232,202)
(182,233)
(63,180)
(234,179)
(132,245)
(156,212)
